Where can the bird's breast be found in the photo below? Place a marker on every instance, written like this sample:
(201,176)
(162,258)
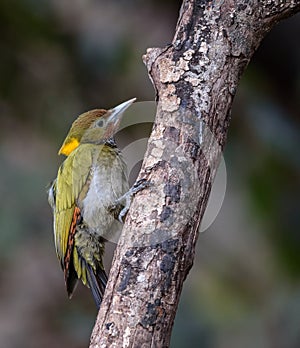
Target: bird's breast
(107,183)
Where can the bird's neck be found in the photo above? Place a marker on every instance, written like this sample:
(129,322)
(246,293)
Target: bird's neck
(109,142)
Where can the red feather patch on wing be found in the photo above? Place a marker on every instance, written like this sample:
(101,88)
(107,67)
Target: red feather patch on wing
(67,259)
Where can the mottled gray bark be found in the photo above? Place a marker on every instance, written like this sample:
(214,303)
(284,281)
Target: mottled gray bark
(195,79)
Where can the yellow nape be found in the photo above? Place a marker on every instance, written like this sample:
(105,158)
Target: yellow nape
(68,147)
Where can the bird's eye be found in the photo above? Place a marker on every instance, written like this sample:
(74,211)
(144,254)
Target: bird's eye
(100,123)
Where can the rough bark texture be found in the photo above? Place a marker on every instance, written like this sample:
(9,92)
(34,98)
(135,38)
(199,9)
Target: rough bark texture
(195,79)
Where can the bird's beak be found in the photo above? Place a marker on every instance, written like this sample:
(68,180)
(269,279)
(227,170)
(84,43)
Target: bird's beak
(116,112)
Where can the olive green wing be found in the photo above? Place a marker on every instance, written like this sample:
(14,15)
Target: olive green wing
(71,179)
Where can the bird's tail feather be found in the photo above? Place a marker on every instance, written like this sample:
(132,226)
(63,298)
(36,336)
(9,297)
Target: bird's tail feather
(97,282)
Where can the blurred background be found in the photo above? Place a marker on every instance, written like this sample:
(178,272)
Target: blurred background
(60,58)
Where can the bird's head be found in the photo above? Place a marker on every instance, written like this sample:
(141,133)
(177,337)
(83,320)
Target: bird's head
(95,126)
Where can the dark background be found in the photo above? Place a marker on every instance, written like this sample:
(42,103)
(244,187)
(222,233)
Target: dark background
(60,58)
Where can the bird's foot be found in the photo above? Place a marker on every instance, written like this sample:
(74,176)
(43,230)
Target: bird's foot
(122,204)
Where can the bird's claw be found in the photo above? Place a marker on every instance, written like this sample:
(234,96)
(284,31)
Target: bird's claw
(127,198)
(122,215)
(139,185)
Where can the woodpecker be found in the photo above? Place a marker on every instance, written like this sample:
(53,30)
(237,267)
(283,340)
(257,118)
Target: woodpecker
(85,197)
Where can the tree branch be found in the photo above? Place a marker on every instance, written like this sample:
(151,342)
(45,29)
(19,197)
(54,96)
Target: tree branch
(195,80)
